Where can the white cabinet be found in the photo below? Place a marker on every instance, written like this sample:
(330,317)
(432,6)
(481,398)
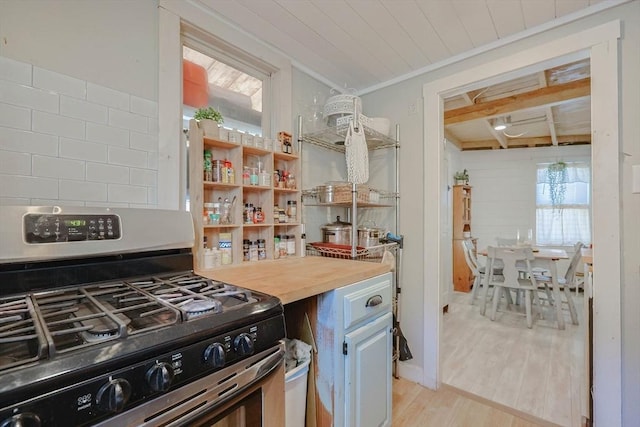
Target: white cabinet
(368,374)
(354,337)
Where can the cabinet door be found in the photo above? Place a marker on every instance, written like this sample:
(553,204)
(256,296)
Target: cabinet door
(368,374)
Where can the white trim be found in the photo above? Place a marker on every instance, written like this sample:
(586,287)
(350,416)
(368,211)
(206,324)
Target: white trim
(169,112)
(600,43)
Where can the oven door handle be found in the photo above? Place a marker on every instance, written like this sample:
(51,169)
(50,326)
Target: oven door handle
(269,364)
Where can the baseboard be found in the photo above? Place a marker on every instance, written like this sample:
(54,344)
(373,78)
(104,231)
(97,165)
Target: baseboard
(411,373)
(504,408)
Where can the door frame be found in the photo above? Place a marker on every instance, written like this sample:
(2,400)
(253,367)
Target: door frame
(600,44)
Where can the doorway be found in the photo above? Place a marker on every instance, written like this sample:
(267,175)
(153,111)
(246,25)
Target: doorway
(598,44)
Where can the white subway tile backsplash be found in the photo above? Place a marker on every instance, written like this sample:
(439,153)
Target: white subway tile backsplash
(28,186)
(109,97)
(14,201)
(143,177)
(126,157)
(81,190)
(81,150)
(15,163)
(26,96)
(98,172)
(15,71)
(107,135)
(67,141)
(152,195)
(153,160)
(144,107)
(153,127)
(81,109)
(56,202)
(143,141)
(60,83)
(125,120)
(28,142)
(127,193)
(54,167)
(15,117)
(54,124)
(108,205)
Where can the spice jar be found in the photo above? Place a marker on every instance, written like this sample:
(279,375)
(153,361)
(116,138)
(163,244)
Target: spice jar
(262,250)
(292,210)
(276,246)
(258,216)
(291,245)
(246,245)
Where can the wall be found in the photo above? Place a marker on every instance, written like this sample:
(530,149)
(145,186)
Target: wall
(394,102)
(503,181)
(69,141)
(107,42)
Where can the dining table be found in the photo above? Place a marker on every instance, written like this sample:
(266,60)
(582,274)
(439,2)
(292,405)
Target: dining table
(547,258)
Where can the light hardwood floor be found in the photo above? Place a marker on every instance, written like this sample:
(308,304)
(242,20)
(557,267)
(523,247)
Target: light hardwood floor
(536,371)
(417,406)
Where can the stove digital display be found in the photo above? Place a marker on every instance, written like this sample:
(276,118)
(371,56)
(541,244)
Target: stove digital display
(52,228)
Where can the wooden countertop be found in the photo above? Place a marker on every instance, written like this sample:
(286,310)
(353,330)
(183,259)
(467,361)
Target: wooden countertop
(294,279)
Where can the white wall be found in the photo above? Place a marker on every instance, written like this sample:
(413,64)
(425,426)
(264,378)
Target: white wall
(394,102)
(111,43)
(64,140)
(504,187)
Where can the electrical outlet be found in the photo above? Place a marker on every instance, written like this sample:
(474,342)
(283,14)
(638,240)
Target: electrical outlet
(413,108)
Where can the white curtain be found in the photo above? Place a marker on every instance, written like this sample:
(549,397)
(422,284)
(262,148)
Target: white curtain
(568,221)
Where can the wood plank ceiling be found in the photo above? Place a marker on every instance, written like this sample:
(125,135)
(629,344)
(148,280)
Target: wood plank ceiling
(366,44)
(552,107)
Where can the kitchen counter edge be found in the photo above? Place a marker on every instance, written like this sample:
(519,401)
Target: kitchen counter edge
(295,279)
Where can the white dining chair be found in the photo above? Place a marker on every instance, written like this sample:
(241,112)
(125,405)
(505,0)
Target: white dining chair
(477,270)
(513,259)
(504,241)
(564,283)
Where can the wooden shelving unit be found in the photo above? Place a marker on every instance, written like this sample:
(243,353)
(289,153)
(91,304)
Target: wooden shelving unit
(462,277)
(265,196)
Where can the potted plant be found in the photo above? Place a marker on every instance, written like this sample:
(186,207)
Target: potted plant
(557,179)
(462,178)
(208,120)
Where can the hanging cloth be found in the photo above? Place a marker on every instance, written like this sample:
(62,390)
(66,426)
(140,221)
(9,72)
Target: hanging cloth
(356,154)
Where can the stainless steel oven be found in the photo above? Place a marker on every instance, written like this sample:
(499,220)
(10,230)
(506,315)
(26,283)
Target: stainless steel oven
(103,322)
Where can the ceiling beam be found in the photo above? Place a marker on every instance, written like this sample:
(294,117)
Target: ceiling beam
(551,122)
(486,123)
(550,95)
(539,141)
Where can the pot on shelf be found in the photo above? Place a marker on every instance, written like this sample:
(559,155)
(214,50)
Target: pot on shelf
(369,235)
(338,232)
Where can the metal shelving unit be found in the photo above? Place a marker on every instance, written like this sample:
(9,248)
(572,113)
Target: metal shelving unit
(332,138)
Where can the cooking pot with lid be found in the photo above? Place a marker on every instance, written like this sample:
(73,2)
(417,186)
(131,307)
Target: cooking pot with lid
(369,235)
(338,232)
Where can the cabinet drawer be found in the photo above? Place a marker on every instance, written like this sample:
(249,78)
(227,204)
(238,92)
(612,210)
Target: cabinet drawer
(368,302)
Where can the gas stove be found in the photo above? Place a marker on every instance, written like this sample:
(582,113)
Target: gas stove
(101,312)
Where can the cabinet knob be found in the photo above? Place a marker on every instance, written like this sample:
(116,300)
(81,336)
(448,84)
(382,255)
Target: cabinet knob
(374,300)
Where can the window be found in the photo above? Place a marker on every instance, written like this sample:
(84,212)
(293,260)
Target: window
(563,204)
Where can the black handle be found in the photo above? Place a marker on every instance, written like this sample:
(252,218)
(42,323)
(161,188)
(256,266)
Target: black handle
(374,300)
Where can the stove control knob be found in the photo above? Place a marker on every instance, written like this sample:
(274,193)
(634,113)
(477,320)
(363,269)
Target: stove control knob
(114,395)
(214,355)
(26,419)
(160,376)
(243,344)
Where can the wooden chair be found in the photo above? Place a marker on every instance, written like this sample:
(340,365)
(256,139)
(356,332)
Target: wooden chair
(513,259)
(564,283)
(477,270)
